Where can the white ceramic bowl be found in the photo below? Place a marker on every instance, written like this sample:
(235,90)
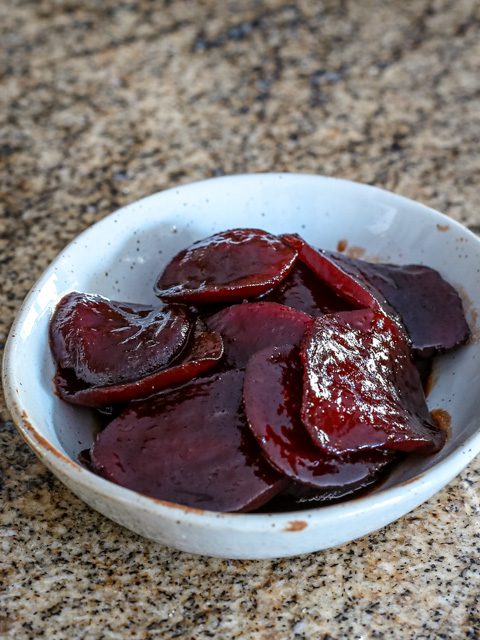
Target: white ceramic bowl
(120,256)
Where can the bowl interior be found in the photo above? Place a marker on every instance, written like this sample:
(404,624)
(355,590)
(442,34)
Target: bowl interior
(121,256)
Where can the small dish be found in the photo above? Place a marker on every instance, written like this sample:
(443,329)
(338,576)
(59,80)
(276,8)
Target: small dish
(120,257)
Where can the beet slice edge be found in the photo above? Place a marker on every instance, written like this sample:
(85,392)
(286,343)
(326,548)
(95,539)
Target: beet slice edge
(273,398)
(107,342)
(304,291)
(361,389)
(226,267)
(189,446)
(205,352)
(429,307)
(343,281)
(251,326)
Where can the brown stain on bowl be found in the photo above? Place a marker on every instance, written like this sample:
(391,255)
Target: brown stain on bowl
(296,525)
(409,481)
(431,382)
(442,419)
(356,252)
(443,227)
(175,505)
(43,442)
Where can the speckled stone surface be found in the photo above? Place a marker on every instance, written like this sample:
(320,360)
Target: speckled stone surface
(104,102)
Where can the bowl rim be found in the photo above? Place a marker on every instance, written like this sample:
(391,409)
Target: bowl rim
(424,484)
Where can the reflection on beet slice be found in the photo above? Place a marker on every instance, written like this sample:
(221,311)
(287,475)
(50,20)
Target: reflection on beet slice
(361,389)
(273,397)
(101,342)
(303,291)
(429,307)
(205,351)
(190,446)
(297,496)
(340,277)
(246,328)
(227,266)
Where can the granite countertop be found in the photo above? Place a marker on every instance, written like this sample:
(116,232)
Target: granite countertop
(104,102)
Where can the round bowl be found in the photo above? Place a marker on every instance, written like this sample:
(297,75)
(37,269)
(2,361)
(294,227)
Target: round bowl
(120,257)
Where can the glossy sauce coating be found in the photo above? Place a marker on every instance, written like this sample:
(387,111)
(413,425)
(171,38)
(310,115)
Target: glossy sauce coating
(226,267)
(331,399)
(273,399)
(102,342)
(203,353)
(246,328)
(341,280)
(303,291)
(361,389)
(191,446)
(428,306)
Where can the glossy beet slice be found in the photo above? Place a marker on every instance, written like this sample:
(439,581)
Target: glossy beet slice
(227,266)
(297,496)
(303,291)
(361,389)
(251,326)
(204,353)
(273,399)
(102,342)
(343,280)
(191,446)
(428,306)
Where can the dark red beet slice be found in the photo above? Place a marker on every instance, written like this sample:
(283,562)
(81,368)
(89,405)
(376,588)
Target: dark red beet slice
(361,389)
(303,291)
(273,399)
(205,351)
(296,496)
(227,266)
(340,277)
(191,446)
(251,326)
(103,342)
(428,306)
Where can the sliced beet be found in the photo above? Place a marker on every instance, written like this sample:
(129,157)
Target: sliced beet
(251,326)
(303,291)
(297,496)
(102,342)
(225,267)
(273,400)
(190,446)
(361,389)
(340,277)
(428,306)
(204,353)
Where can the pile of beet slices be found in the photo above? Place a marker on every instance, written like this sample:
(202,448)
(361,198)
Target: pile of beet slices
(272,372)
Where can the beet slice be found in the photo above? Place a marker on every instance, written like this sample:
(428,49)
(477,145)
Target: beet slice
(429,307)
(361,389)
(191,446)
(341,277)
(297,496)
(251,326)
(303,291)
(227,266)
(273,399)
(204,353)
(102,342)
